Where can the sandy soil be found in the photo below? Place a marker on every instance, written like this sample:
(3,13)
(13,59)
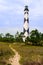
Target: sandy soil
(16,58)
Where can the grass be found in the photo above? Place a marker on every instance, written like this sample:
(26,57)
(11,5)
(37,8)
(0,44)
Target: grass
(5,53)
(29,53)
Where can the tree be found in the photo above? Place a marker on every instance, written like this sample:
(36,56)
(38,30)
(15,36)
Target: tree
(7,35)
(41,41)
(42,36)
(18,37)
(27,40)
(8,38)
(35,37)
(11,38)
(1,37)
(17,34)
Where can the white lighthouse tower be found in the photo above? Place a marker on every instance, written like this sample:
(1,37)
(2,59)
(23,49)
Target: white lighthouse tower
(26,23)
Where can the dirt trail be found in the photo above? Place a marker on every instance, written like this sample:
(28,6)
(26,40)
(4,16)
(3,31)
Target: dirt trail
(16,58)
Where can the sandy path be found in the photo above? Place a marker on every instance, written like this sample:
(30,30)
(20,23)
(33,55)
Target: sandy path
(16,58)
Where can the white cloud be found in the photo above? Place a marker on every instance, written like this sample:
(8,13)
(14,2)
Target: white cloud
(38,8)
(14,9)
(38,28)
(11,30)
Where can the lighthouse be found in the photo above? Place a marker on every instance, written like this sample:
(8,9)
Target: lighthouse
(26,23)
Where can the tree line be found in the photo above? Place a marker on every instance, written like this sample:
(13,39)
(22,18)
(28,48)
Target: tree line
(35,38)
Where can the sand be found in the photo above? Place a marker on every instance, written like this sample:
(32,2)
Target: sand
(16,58)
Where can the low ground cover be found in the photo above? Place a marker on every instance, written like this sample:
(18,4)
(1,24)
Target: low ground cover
(29,53)
(5,53)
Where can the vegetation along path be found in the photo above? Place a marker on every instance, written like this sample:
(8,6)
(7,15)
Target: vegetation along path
(16,58)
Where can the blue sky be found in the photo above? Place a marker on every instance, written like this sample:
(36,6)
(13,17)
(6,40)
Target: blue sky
(12,15)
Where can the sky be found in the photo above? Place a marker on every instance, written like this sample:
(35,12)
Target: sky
(12,15)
